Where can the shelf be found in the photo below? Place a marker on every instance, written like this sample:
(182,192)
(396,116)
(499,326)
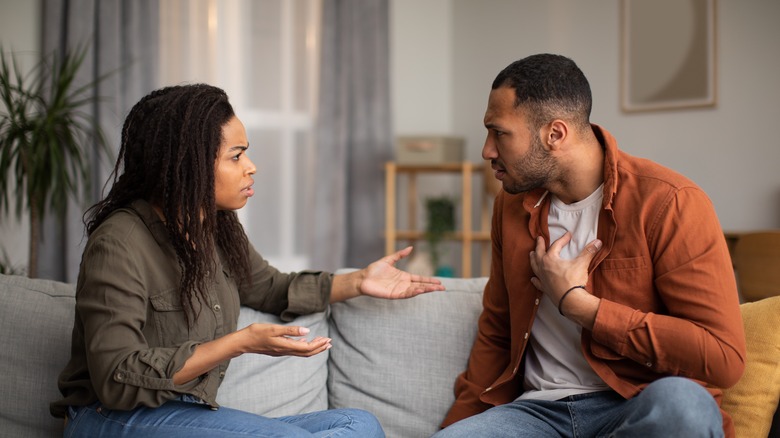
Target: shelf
(466,235)
(418,235)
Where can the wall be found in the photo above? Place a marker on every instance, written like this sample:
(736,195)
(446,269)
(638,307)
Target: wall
(730,150)
(19,32)
(421,64)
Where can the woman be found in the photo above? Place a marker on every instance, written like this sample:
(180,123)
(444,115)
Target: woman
(163,274)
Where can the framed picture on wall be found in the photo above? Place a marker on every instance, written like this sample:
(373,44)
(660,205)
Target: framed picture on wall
(667,54)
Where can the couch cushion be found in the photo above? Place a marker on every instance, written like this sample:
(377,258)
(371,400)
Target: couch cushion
(399,359)
(36,318)
(277,386)
(752,402)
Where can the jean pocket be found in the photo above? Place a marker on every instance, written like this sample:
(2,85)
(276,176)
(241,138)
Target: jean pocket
(74,415)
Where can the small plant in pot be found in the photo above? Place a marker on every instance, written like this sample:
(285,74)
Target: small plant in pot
(440,221)
(45,132)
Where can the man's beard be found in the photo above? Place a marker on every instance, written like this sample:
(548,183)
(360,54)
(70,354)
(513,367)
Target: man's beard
(535,168)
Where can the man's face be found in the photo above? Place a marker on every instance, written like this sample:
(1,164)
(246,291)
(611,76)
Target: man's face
(518,157)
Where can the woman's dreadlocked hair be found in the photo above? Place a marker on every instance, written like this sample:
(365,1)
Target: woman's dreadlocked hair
(170,140)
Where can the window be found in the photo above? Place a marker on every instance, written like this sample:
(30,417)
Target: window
(264,54)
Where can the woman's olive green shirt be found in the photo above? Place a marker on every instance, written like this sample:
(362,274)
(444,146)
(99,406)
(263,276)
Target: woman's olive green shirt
(130,335)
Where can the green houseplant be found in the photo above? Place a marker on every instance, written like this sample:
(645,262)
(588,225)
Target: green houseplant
(440,221)
(45,133)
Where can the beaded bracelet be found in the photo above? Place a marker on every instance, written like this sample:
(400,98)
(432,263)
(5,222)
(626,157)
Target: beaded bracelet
(567,293)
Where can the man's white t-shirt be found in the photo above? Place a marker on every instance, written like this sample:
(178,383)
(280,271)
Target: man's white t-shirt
(554,366)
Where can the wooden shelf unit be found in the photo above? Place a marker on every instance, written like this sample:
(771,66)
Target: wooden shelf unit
(466,235)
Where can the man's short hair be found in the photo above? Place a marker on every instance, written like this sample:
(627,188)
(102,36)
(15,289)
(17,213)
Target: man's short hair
(549,87)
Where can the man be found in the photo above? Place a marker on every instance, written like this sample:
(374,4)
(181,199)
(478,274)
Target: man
(611,308)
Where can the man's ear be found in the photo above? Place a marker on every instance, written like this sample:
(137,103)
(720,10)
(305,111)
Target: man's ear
(554,134)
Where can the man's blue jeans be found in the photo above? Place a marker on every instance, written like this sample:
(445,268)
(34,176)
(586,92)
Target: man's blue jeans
(187,418)
(669,407)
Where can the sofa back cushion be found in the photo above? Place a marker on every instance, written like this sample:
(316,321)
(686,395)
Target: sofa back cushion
(277,386)
(399,359)
(36,318)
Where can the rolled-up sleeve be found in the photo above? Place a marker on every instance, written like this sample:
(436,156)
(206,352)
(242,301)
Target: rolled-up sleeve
(285,294)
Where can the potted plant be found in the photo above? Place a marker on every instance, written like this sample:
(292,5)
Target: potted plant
(45,131)
(440,221)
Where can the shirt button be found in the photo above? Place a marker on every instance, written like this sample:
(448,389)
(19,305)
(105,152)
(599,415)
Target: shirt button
(525,336)
(536,302)
(217,307)
(222,375)
(119,376)
(648,364)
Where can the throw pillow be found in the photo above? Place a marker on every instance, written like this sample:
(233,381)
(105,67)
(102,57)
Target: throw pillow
(277,386)
(753,400)
(399,359)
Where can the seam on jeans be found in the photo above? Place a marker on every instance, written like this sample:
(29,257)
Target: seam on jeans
(573,417)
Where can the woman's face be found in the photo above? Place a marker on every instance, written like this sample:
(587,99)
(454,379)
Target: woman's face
(233,170)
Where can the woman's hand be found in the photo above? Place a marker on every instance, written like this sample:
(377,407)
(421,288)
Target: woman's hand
(281,340)
(381,279)
(268,339)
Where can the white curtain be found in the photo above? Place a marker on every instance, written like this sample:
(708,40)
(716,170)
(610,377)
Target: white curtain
(264,54)
(319,147)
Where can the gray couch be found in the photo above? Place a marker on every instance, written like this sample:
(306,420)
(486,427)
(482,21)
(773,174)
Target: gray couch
(397,359)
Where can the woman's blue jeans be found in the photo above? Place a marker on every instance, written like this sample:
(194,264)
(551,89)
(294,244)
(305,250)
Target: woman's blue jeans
(188,418)
(669,407)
